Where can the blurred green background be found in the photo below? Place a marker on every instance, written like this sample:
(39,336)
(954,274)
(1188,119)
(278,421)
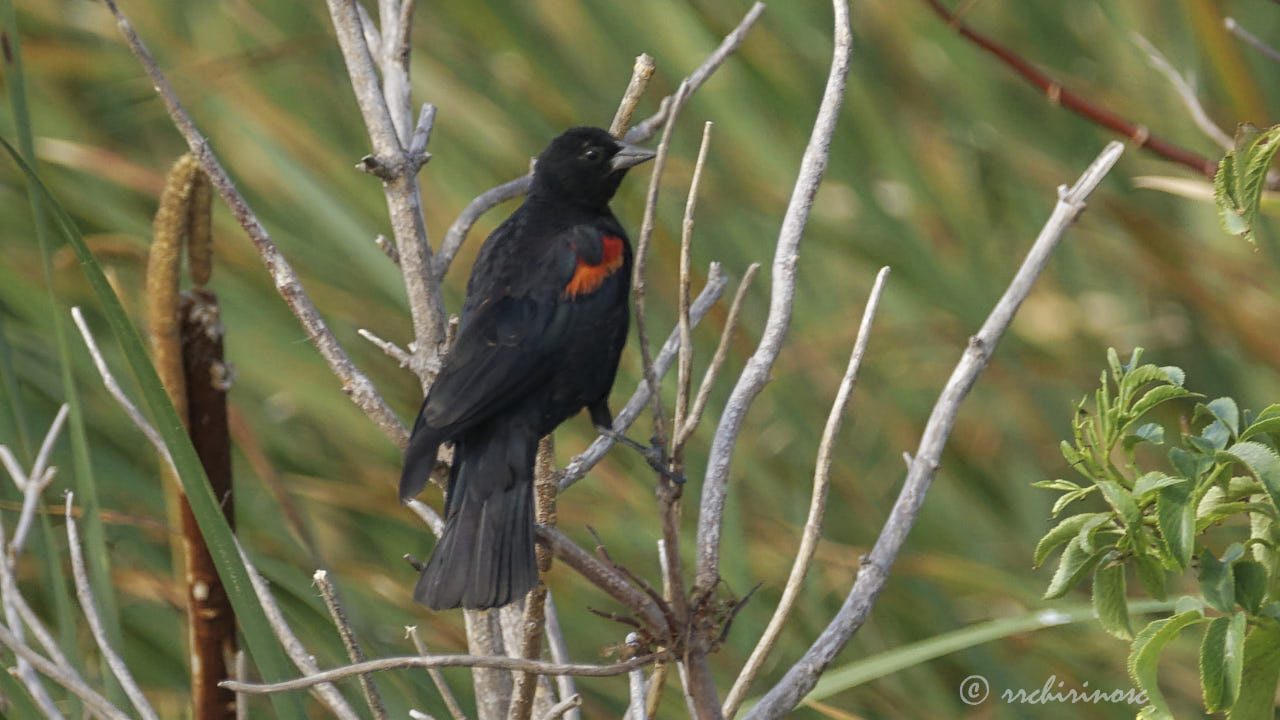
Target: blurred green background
(943,167)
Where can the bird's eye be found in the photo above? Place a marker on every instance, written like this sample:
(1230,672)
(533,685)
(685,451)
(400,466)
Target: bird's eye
(591,155)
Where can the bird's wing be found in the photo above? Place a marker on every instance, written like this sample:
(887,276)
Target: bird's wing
(509,342)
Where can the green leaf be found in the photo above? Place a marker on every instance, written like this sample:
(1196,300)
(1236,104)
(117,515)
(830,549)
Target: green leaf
(1089,530)
(1071,497)
(1270,411)
(1217,583)
(1113,362)
(1110,601)
(1151,574)
(1267,425)
(1148,432)
(1263,462)
(1152,481)
(1221,661)
(1144,654)
(1059,484)
(257,633)
(1153,397)
(1225,409)
(1061,533)
(1250,584)
(1175,374)
(1176,519)
(1241,178)
(1074,564)
(1261,672)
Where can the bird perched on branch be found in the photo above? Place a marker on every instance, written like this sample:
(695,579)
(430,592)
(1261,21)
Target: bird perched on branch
(543,325)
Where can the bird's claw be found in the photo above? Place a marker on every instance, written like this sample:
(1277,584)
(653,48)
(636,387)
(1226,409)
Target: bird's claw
(652,455)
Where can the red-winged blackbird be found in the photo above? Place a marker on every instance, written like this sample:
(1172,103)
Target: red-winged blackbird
(542,328)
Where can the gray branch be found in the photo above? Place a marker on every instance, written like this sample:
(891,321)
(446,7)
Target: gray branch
(756,373)
(874,572)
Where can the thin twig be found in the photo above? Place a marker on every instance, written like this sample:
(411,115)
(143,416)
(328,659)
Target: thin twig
(817,506)
(413,661)
(720,356)
(427,515)
(874,573)
(293,647)
(12,597)
(437,677)
(95,702)
(532,620)
(1139,135)
(1185,92)
(354,383)
(640,74)
(113,387)
(1236,29)
(635,683)
(560,654)
(354,653)
(582,463)
(242,674)
(393,351)
(35,482)
(813,166)
(604,577)
(564,707)
(684,373)
(90,606)
(644,130)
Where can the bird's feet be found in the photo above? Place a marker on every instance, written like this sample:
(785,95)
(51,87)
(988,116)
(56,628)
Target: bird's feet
(651,455)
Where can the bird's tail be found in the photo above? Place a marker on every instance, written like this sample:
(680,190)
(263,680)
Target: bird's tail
(485,556)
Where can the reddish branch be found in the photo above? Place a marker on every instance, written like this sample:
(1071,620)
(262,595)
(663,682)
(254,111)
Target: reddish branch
(1059,95)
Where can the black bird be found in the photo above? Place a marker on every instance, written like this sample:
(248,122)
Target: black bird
(543,325)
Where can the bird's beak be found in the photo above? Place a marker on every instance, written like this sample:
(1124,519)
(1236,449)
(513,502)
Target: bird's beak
(630,156)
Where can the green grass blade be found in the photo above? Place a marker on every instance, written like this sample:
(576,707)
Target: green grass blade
(82,466)
(842,678)
(14,396)
(257,633)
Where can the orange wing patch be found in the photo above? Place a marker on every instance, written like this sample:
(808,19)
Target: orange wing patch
(588,278)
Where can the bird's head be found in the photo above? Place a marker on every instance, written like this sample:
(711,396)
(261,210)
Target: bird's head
(584,165)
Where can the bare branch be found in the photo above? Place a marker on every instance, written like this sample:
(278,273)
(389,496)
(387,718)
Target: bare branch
(684,372)
(354,653)
(1185,92)
(113,387)
(428,515)
(756,373)
(293,647)
(874,572)
(560,654)
(395,663)
(388,248)
(640,75)
(721,355)
(393,351)
(817,506)
(582,463)
(386,113)
(95,702)
(242,674)
(450,702)
(354,383)
(1236,29)
(492,686)
(33,484)
(564,707)
(490,199)
(603,577)
(87,603)
(636,684)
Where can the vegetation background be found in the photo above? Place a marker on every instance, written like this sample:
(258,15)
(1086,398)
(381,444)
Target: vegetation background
(944,167)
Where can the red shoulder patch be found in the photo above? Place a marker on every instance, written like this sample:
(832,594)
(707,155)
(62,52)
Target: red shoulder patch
(588,278)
